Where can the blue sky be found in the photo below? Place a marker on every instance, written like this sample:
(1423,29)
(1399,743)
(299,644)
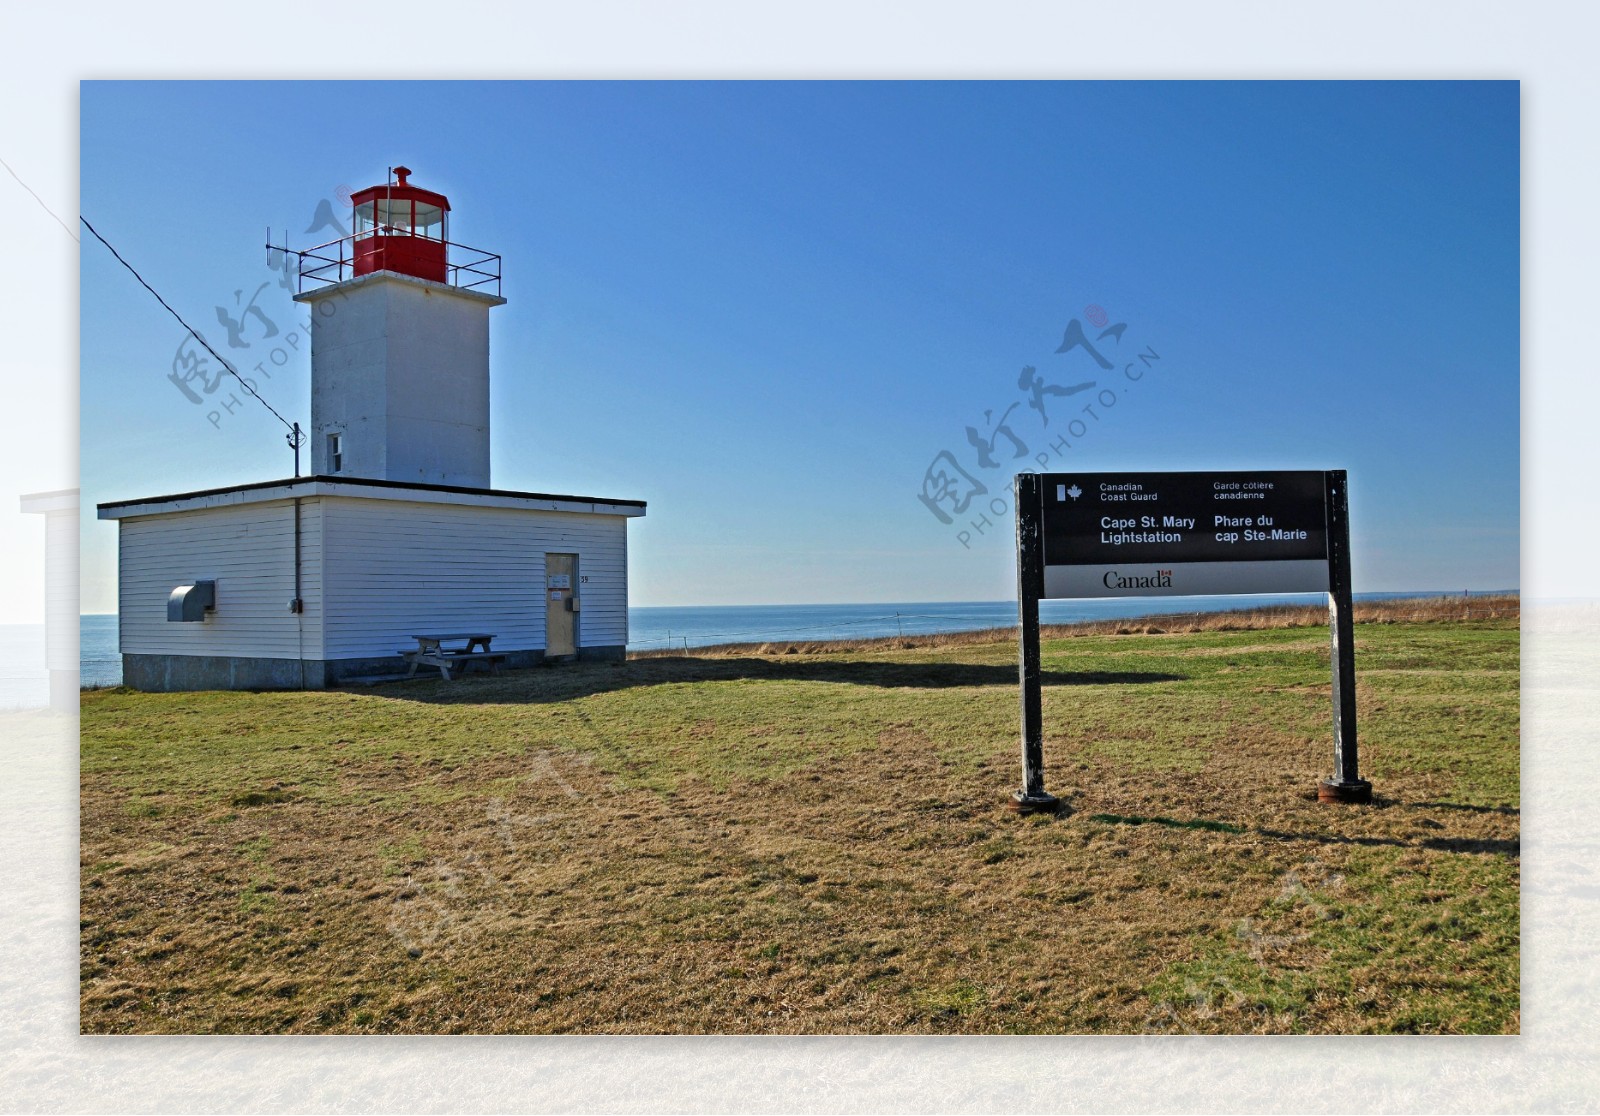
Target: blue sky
(766,307)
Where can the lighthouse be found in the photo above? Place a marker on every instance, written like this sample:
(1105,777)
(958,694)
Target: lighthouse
(400,346)
(397,538)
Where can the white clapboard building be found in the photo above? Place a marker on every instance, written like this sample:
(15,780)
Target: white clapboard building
(397,534)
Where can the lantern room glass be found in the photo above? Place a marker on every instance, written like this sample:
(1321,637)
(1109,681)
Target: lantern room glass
(394,214)
(429,221)
(402,217)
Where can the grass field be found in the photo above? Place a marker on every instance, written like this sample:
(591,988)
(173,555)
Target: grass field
(818,843)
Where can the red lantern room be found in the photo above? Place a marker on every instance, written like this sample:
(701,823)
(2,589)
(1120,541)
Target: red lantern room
(400,227)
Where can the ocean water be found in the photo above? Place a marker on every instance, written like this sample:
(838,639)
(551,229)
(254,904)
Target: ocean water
(690,626)
(98,661)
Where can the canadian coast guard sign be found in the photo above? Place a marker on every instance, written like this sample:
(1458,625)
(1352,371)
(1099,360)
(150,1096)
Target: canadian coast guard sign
(1184,534)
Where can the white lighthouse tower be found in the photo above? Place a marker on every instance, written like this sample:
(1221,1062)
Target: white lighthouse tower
(400,348)
(397,542)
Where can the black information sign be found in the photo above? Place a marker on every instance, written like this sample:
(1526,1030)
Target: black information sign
(1176,534)
(1168,534)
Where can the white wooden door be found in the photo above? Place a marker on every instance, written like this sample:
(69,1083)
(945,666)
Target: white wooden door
(560,615)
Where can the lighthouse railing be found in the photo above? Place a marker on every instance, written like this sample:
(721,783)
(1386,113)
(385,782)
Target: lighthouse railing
(479,269)
(333,262)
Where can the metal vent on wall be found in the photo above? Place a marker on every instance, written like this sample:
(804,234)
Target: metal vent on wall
(190,603)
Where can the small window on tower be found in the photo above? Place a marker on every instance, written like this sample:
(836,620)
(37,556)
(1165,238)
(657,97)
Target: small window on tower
(335,453)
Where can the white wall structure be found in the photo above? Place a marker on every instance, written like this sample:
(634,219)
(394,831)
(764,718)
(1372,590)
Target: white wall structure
(400,371)
(60,510)
(397,568)
(248,550)
(379,563)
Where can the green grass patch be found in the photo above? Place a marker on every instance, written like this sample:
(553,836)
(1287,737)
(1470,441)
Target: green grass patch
(1399,944)
(958,998)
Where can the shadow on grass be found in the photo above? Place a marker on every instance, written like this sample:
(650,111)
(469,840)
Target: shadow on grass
(1508,847)
(1170,823)
(1511,811)
(575,680)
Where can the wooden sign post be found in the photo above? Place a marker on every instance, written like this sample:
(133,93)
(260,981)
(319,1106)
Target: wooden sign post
(1346,784)
(1030,587)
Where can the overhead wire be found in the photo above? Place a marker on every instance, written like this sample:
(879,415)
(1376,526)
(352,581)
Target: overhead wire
(294,429)
(38,199)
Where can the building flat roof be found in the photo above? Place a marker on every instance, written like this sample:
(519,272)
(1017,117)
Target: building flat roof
(64,499)
(366,488)
(343,287)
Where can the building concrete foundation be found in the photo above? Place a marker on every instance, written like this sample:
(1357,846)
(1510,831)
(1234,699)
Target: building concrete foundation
(178,673)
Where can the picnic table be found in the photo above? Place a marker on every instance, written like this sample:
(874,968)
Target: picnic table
(454,651)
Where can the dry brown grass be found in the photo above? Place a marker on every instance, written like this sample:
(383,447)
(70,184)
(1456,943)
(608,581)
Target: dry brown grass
(816,844)
(1399,611)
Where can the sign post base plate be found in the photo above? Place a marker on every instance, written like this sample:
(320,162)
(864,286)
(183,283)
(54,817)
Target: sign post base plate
(1033,803)
(1358,790)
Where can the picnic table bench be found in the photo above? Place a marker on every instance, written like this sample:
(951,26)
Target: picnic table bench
(465,648)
